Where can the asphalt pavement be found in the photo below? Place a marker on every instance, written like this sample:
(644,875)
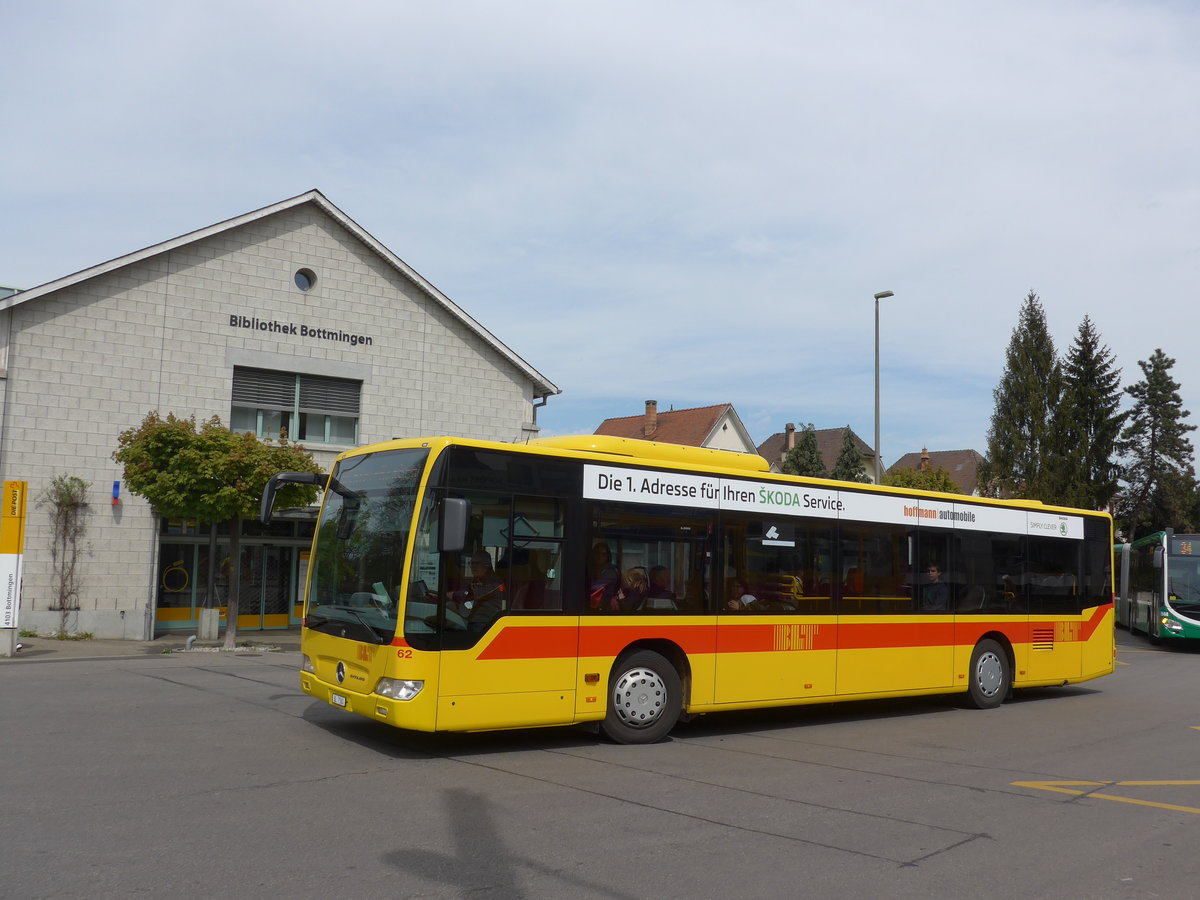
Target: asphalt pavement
(202,775)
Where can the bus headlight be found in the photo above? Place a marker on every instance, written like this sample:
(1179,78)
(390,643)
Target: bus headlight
(396,689)
(306,665)
(1170,624)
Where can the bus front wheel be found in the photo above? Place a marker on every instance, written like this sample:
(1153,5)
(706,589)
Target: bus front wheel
(990,676)
(644,699)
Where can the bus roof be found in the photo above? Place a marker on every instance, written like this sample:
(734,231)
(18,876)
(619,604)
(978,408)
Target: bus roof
(650,450)
(1155,538)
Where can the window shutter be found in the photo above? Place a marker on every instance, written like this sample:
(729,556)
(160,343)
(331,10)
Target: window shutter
(330,396)
(262,389)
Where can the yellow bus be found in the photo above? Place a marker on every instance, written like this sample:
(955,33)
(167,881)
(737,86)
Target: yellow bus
(462,585)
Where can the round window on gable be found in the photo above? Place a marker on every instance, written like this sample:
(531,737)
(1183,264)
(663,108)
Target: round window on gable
(305,279)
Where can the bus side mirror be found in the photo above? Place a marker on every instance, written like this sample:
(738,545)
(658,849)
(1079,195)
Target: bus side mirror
(1158,558)
(346,520)
(452,524)
(272,486)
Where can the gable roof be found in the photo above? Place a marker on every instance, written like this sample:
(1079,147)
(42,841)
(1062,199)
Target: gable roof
(542,385)
(690,427)
(829,445)
(963,465)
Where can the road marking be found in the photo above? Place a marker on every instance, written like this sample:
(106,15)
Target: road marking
(1064,787)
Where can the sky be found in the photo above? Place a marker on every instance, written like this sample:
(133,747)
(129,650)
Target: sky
(692,203)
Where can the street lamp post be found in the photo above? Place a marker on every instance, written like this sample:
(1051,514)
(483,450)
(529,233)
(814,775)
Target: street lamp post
(878,464)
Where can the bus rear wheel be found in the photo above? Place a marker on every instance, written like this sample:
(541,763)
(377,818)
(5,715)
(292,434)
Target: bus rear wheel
(990,676)
(645,697)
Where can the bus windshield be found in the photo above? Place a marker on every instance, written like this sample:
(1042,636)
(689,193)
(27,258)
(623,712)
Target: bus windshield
(358,556)
(1184,581)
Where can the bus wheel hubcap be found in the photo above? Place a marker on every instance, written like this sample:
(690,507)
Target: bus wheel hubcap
(988,673)
(639,697)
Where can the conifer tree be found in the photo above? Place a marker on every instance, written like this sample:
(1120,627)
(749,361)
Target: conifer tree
(1088,422)
(1160,482)
(1021,450)
(849,465)
(805,458)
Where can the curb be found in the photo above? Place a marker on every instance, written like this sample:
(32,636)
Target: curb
(48,649)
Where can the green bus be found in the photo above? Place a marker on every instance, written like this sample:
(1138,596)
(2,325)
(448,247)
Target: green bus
(1158,585)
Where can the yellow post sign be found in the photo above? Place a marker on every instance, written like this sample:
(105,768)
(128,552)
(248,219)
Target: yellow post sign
(12,549)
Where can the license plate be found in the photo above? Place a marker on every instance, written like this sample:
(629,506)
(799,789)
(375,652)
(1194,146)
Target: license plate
(337,700)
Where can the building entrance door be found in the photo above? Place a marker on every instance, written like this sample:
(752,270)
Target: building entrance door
(274,566)
(267,586)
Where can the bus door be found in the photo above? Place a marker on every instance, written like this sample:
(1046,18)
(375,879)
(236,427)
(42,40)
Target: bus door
(895,610)
(1055,590)
(508,653)
(776,633)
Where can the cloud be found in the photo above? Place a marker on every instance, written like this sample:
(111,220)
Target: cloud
(693,202)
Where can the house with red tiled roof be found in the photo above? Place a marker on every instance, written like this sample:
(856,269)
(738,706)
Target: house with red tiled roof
(715,427)
(962,465)
(829,445)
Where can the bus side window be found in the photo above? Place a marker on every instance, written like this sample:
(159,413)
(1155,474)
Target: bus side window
(880,554)
(784,565)
(670,548)
(1054,568)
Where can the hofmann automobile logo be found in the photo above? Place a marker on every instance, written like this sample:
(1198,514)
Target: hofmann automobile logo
(305,331)
(946,515)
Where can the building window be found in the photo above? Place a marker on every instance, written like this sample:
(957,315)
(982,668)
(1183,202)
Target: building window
(305,279)
(310,409)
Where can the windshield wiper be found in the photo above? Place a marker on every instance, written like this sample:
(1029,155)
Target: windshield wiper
(380,637)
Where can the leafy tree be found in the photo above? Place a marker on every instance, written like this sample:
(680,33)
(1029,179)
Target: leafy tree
(849,465)
(933,478)
(1022,453)
(1160,482)
(804,458)
(209,474)
(1088,422)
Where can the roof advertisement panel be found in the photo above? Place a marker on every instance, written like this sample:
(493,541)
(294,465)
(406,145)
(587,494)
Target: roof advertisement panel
(775,498)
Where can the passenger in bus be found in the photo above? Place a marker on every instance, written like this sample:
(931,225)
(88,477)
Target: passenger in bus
(854,583)
(633,590)
(740,598)
(936,594)
(1008,589)
(483,598)
(604,579)
(660,584)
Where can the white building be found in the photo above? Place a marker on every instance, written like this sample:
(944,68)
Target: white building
(289,316)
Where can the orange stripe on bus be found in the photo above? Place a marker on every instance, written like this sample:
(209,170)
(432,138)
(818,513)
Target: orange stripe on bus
(610,640)
(588,640)
(517,642)
(1098,614)
(752,637)
(877,635)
